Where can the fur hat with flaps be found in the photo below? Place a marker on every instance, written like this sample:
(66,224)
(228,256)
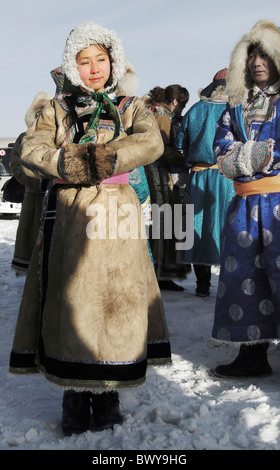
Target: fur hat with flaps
(84,36)
(239,82)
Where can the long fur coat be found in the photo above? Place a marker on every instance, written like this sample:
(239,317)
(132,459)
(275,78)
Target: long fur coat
(91,315)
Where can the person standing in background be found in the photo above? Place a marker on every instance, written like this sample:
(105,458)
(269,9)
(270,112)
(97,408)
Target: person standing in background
(208,190)
(31,209)
(167,105)
(247,147)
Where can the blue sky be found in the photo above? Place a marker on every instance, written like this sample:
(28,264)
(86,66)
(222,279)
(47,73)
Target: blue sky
(168,41)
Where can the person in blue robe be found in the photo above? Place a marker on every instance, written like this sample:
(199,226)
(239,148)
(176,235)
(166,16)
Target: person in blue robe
(247,147)
(207,189)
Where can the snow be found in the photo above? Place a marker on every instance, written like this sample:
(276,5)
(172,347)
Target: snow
(182,406)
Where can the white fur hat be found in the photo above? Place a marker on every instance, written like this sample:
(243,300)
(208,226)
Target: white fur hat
(85,35)
(239,82)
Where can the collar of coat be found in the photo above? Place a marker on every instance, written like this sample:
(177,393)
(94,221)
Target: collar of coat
(163,109)
(64,89)
(273,89)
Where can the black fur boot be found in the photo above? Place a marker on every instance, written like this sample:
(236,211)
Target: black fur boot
(250,362)
(76,412)
(105,411)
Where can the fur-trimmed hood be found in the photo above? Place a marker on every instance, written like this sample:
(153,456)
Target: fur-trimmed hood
(218,95)
(36,107)
(85,35)
(239,82)
(67,77)
(128,85)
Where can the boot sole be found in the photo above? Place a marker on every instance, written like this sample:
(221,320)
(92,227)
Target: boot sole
(245,376)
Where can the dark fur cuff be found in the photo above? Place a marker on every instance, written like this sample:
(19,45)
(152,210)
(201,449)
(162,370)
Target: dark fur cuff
(86,163)
(105,158)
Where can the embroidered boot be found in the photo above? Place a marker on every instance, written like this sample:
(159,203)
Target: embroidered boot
(250,362)
(76,412)
(105,411)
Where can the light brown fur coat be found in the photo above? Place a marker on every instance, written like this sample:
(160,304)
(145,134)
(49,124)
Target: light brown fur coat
(103,303)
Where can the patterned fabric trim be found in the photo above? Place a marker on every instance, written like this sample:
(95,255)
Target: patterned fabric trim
(91,384)
(246,159)
(84,114)
(165,111)
(77,372)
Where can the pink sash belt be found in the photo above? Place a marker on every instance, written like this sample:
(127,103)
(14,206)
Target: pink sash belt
(122,178)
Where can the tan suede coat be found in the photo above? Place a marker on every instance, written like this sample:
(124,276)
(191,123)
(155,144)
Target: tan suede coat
(31,209)
(91,313)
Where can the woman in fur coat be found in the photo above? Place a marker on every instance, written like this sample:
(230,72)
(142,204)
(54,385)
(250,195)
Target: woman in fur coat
(248,151)
(91,315)
(31,209)
(208,190)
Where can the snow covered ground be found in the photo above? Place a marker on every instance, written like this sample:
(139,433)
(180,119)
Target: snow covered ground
(181,407)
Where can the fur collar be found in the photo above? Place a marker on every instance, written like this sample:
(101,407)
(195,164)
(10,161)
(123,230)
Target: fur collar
(269,90)
(217,95)
(36,107)
(128,84)
(239,82)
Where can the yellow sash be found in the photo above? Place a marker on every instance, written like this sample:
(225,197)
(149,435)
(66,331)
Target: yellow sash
(203,166)
(263,185)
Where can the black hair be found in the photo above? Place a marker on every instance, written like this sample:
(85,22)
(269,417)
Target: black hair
(251,47)
(177,92)
(159,95)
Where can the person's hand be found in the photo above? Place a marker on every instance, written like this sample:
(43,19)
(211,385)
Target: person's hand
(86,163)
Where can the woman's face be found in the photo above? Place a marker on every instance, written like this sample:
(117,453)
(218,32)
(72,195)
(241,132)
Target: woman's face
(94,67)
(262,68)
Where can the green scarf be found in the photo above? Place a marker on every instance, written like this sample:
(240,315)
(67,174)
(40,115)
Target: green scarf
(103,101)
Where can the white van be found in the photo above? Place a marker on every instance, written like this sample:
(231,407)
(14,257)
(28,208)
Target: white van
(6,207)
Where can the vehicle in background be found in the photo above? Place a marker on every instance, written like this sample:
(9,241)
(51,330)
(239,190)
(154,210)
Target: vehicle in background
(6,207)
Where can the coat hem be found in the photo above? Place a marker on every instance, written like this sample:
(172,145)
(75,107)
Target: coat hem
(91,384)
(219,342)
(160,361)
(20,265)
(24,370)
(158,351)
